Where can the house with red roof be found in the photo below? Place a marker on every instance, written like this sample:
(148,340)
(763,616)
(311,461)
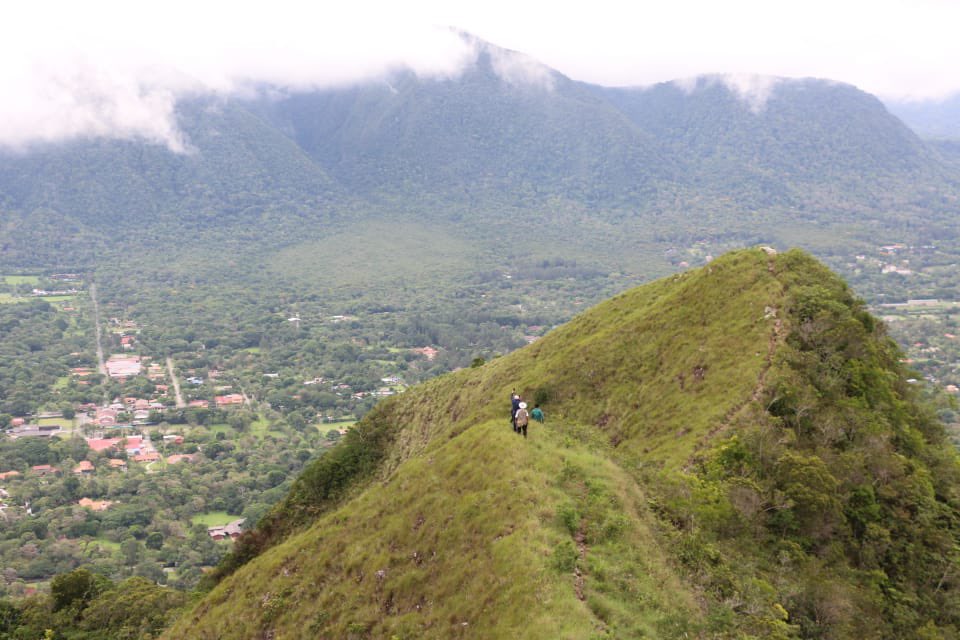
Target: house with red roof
(229,399)
(85,467)
(133,445)
(94,505)
(102,444)
(149,456)
(106,417)
(44,470)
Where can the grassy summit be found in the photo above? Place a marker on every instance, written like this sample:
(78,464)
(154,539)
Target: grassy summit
(732,452)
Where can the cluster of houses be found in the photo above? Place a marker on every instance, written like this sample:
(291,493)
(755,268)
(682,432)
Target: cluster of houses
(137,410)
(136,448)
(893,258)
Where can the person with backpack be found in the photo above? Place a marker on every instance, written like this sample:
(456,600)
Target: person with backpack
(514,406)
(522,418)
(537,413)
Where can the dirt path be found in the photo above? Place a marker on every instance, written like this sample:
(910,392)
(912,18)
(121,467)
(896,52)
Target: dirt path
(773,342)
(176,384)
(578,579)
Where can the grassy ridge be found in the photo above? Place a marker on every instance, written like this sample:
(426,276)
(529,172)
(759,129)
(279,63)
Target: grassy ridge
(476,539)
(729,453)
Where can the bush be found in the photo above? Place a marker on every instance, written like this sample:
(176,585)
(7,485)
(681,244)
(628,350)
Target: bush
(569,518)
(543,395)
(564,557)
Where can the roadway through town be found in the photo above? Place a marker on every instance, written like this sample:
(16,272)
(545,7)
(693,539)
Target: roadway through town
(176,384)
(101,363)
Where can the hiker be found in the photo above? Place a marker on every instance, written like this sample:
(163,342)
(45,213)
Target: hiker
(514,405)
(537,413)
(522,418)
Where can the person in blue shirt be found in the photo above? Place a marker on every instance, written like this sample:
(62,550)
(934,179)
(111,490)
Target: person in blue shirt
(514,405)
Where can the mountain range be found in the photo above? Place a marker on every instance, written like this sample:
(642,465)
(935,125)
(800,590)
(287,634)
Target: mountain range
(597,171)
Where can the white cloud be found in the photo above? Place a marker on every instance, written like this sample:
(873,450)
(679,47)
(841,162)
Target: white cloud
(116,68)
(752,89)
(520,69)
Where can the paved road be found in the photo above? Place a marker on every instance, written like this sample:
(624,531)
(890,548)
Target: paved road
(176,384)
(101,363)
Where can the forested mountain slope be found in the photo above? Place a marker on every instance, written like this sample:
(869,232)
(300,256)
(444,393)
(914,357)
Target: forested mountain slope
(507,141)
(730,452)
(507,122)
(236,172)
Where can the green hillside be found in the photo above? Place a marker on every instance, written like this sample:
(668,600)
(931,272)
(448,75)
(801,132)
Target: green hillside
(733,452)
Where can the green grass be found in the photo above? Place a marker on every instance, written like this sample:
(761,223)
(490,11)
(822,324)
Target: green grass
(483,554)
(324,427)
(376,252)
(261,428)
(213,518)
(21,279)
(62,422)
(106,545)
(222,428)
(8,298)
(61,382)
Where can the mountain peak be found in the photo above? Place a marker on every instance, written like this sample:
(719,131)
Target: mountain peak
(512,67)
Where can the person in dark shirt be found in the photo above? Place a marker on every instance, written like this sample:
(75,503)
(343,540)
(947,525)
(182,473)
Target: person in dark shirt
(514,405)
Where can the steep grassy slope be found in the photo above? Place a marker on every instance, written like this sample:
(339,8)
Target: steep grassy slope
(732,452)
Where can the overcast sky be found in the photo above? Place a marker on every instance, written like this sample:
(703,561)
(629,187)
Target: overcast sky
(116,68)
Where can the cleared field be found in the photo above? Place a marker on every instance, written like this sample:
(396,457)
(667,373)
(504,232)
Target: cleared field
(213,518)
(57,298)
(63,423)
(21,279)
(106,545)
